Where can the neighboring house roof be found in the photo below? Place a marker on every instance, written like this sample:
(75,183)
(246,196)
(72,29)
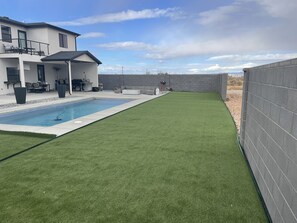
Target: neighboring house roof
(35,25)
(69,56)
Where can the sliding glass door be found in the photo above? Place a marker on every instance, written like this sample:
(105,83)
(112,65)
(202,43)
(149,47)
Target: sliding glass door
(22,35)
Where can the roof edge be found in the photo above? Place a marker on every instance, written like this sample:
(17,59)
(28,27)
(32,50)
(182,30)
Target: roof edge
(35,25)
(79,53)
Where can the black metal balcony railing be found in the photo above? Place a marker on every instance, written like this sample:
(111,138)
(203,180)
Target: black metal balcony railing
(16,45)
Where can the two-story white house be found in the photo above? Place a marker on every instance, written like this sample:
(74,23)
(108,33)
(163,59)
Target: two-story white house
(33,53)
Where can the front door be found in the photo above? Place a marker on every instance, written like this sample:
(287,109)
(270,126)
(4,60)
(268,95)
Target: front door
(22,39)
(40,73)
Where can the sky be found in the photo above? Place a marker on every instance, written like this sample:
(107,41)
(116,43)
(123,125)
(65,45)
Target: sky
(171,36)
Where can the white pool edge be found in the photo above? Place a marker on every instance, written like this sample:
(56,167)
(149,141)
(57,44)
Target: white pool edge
(69,126)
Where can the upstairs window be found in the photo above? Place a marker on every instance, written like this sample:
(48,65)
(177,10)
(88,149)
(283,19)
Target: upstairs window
(6,34)
(63,40)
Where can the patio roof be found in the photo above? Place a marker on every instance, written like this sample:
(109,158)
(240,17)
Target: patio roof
(70,56)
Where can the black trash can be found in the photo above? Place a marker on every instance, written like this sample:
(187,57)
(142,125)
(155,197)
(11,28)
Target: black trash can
(61,88)
(20,95)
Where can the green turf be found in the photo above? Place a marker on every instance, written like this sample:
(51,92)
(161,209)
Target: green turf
(174,159)
(14,142)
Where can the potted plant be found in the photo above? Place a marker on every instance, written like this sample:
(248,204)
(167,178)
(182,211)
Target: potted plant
(61,88)
(20,94)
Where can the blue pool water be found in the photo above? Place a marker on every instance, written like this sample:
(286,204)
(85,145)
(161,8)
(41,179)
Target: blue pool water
(56,114)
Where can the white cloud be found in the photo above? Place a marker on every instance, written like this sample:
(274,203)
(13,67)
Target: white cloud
(277,8)
(128,45)
(142,68)
(117,69)
(173,13)
(155,69)
(227,48)
(217,15)
(242,34)
(217,68)
(92,35)
(214,46)
(258,57)
(239,10)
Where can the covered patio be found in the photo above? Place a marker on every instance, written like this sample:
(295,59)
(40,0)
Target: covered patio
(44,74)
(78,66)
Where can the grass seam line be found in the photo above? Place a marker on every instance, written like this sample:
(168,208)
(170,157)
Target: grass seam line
(25,150)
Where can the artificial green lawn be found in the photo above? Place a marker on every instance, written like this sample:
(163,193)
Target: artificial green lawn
(14,142)
(173,159)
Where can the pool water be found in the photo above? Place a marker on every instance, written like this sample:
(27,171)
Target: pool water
(56,114)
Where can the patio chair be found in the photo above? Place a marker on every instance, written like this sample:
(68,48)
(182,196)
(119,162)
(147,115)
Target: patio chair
(28,86)
(7,48)
(37,87)
(12,49)
(39,53)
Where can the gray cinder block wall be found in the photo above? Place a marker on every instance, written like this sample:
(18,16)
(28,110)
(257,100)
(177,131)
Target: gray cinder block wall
(199,83)
(269,135)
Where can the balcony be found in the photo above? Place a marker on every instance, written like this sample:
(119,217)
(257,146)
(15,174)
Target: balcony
(22,46)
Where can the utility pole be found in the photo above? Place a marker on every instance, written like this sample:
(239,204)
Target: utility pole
(123,83)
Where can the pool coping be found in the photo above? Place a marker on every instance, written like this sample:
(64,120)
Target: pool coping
(66,127)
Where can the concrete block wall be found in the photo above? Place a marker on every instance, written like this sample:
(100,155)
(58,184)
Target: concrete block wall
(269,135)
(199,83)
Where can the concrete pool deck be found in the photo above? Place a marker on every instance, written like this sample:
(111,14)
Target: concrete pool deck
(8,104)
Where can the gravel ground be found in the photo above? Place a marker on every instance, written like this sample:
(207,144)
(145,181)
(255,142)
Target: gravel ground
(233,102)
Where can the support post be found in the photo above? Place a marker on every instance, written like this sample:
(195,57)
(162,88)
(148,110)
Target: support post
(22,72)
(70,77)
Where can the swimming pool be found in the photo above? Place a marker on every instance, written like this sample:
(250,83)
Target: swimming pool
(57,114)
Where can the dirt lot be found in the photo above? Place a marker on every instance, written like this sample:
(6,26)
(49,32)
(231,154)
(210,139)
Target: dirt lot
(235,83)
(233,102)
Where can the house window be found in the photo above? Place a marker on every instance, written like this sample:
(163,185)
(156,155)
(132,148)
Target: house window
(6,34)
(63,40)
(13,74)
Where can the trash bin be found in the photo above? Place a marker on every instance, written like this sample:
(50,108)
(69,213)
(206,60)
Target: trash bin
(61,88)
(20,95)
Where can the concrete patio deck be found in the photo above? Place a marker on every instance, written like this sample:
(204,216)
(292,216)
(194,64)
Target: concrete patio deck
(8,104)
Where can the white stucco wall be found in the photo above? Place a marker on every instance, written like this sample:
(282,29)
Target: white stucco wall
(84,58)
(50,36)
(38,35)
(85,71)
(50,73)
(4,63)
(53,40)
